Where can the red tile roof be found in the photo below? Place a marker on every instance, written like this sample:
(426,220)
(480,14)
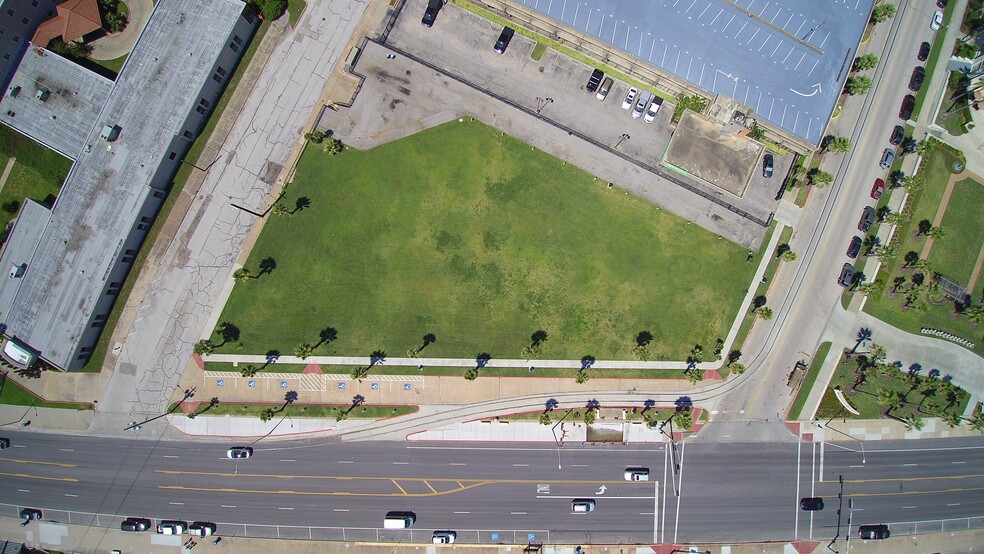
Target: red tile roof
(75,19)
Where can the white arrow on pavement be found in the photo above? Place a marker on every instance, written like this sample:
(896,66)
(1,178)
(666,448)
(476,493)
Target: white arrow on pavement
(602,489)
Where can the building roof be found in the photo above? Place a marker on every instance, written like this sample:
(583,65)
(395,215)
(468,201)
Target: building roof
(74,97)
(785,59)
(109,183)
(74,19)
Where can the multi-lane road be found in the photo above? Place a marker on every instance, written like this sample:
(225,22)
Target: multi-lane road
(501,492)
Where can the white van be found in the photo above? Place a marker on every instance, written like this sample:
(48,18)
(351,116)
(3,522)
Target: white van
(399,520)
(641,103)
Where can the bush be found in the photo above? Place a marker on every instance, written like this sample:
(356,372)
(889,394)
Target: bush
(271,9)
(11,207)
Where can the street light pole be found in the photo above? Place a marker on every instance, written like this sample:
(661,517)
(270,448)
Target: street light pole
(624,137)
(539,106)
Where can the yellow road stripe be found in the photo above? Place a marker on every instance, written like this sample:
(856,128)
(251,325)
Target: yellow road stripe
(368,478)
(398,486)
(903,493)
(892,479)
(429,486)
(26,476)
(323,493)
(16,461)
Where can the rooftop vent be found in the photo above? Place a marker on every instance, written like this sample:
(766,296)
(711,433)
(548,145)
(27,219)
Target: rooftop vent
(110,133)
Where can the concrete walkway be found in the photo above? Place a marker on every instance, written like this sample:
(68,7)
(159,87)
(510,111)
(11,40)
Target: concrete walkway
(6,172)
(120,44)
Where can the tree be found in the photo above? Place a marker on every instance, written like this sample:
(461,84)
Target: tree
(581,377)
(756,132)
(865,62)
(333,146)
(975,314)
(271,9)
(924,147)
(872,287)
(113,21)
(877,354)
(882,12)
(589,416)
(914,423)
(204,347)
(923,227)
(545,419)
(839,144)
(530,352)
(737,368)
(788,256)
(820,178)
(471,373)
(895,218)
(266,415)
(281,209)
(897,282)
(913,183)
(765,313)
(684,419)
(937,232)
(858,84)
(885,251)
(963,49)
(694,375)
(248,371)
(12,206)
(951,419)
(977,421)
(315,136)
(242,275)
(359,372)
(303,350)
(888,398)
(71,50)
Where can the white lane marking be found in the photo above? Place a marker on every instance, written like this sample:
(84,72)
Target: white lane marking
(19,446)
(345,462)
(285,508)
(655,510)
(23,490)
(821,459)
(676,524)
(457,463)
(462,512)
(542,496)
(856,466)
(796,520)
(655,448)
(909,465)
(169,456)
(72,495)
(401,463)
(662,523)
(813,483)
(339,510)
(954,504)
(176,503)
(226,506)
(958,462)
(521,465)
(907,507)
(66,450)
(579,465)
(517,513)
(288,460)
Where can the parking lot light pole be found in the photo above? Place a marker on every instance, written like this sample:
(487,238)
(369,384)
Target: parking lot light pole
(542,103)
(624,137)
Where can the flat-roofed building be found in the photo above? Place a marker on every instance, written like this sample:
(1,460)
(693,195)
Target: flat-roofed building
(73,270)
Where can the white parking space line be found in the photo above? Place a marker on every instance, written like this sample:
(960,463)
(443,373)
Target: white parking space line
(226,506)
(169,456)
(23,490)
(345,462)
(285,508)
(176,503)
(339,510)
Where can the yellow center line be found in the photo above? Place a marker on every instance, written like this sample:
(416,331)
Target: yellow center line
(903,493)
(26,476)
(325,493)
(16,461)
(398,486)
(893,479)
(369,478)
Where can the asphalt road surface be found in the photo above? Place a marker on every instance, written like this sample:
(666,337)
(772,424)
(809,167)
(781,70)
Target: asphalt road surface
(501,492)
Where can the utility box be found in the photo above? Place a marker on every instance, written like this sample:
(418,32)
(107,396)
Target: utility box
(43,95)
(110,133)
(17,271)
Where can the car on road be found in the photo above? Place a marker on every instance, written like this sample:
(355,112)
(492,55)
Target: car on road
(4,444)
(136,524)
(916,80)
(653,109)
(582,505)
(399,520)
(767,165)
(606,86)
(29,515)
(172,527)
(503,41)
(594,80)
(937,21)
(898,133)
(908,104)
(630,97)
(202,528)
(239,452)
(867,219)
(430,14)
(854,248)
(636,474)
(641,103)
(877,189)
(444,537)
(811,504)
(923,52)
(873,532)
(846,275)
(888,156)
(941,3)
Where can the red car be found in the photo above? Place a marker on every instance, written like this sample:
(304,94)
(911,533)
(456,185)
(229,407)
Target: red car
(877,189)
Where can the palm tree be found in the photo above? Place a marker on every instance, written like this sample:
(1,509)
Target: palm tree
(266,415)
(872,287)
(281,209)
(886,397)
(788,256)
(866,62)
(303,350)
(951,419)
(765,313)
(737,368)
(839,144)
(204,347)
(975,314)
(589,416)
(359,373)
(912,183)
(242,275)
(820,178)
(924,146)
(937,232)
(581,377)
(684,419)
(882,12)
(545,419)
(249,371)
(914,422)
(858,84)
(694,375)
(977,421)
(333,146)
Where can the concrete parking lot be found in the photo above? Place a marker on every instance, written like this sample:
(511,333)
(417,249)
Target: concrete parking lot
(423,77)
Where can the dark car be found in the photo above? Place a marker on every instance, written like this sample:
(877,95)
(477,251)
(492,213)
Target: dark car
(767,166)
(430,14)
(908,104)
(923,51)
(595,80)
(898,133)
(846,275)
(854,248)
(4,444)
(504,37)
(873,531)
(136,524)
(916,80)
(941,3)
(867,219)
(811,504)
(877,189)
(29,515)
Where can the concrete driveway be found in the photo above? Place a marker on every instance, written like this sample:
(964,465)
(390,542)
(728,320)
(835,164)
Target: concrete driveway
(115,45)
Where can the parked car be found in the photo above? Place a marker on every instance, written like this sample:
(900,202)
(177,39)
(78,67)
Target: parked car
(136,524)
(877,532)
(4,444)
(923,52)
(653,109)
(582,505)
(846,275)
(867,219)
(908,104)
(444,537)
(202,528)
(29,515)
(941,3)
(172,527)
(811,504)
(641,103)
(916,80)
(595,80)
(503,41)
(606,86)
(630,97)
(636,474)
(898,133)
(888,156)
(430,14)
(767,165)
(877,189)
(239,452)
(854,248)
(937,21)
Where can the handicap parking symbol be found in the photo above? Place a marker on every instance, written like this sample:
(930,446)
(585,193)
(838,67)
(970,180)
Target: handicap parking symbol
(406,386)
(495,536)
(341,385)
(531,536)
(374,386)
(251,383)
(220,383)
(283,384)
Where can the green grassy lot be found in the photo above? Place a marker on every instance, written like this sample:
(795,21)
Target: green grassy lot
(481,248)
(795,411)
(294,10)
(114,65)
(887,305)
(38,172)
(955,254)
(14,394)
(865,398)
(95,363)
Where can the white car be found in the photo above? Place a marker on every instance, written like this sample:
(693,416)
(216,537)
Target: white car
(582,505)
(239,452)
(444,537)
(172,527)
(937,21)
(653,108)
(629,98)
(636,474)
